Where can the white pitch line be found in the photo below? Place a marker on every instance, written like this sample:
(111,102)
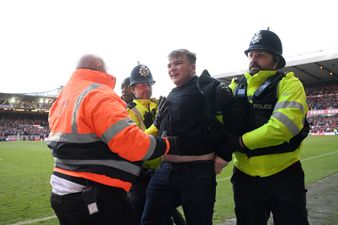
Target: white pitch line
(318,156)
(218,180)
(306,159)
(34,221)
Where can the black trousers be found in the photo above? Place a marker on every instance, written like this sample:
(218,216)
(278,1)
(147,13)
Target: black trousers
(282,194)
(112,203)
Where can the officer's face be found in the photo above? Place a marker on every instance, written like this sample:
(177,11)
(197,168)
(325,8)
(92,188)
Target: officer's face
(180,70)
(260,60)
(142,90)
(127,94)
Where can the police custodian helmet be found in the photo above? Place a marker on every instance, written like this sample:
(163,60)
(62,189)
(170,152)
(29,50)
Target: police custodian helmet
(141,74)
(268,41)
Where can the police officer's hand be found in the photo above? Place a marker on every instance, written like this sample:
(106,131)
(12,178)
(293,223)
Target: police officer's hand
(235,143)
(224,97)
(162,110)
(148,120)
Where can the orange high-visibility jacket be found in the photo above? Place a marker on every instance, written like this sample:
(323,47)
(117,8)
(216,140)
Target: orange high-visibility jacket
(92,136)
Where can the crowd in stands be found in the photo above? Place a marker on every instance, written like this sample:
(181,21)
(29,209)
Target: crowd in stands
(320,124)
(319,96)
(23,129)
(323,96)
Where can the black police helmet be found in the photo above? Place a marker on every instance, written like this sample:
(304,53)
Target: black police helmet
(267,40)
(141,74)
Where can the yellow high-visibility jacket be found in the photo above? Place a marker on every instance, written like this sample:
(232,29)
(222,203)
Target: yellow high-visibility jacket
(286,121)
(136,113)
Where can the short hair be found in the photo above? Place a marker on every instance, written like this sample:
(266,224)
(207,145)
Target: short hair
(92,62)
(125,82)
(180,52)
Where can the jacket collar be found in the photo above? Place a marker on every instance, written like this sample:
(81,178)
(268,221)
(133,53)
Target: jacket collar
(259,77)
(94,76)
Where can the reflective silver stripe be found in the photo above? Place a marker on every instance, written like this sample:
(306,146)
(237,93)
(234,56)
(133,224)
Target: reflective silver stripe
(118,164)
(287,122)
(122,124)
(115,128)
(287,104)
(75,138)
(151,148)
(139,117)
(78,103)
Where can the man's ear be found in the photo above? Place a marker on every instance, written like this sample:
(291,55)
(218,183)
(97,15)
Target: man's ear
(193,68)
(101,67)
(132,89)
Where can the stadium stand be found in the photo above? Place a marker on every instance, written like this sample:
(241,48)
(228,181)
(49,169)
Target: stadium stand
(24,116)
(323,103)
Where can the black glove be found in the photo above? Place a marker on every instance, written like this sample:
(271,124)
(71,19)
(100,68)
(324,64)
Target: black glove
(224,97)
(235,117)
(234,143)
(149,118)
(162,110)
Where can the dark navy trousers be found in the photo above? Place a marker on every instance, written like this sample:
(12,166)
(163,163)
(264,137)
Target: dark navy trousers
(191,185)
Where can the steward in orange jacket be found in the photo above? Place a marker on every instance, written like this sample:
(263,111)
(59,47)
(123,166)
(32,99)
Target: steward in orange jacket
(95,148)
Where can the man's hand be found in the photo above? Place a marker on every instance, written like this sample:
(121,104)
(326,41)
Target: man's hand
(219,164)
(162,110)
(174,142)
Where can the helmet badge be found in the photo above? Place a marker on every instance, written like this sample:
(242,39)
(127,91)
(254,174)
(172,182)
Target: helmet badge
(256,38)
(144,71)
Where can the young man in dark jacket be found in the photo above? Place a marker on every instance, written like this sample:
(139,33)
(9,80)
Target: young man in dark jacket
(186,177)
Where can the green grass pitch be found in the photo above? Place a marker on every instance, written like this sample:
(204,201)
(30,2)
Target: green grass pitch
(25,169)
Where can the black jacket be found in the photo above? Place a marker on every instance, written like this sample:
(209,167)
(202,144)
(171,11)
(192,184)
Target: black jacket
(221,101)
(187,120)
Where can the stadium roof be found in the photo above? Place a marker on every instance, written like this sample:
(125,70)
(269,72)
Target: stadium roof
(13,101)
(321,66)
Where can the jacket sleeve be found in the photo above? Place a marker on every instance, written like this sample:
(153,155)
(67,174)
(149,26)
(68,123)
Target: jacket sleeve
(109,119)
(287,118)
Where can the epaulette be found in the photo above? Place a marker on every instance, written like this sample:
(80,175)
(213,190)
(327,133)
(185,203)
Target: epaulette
(131,105)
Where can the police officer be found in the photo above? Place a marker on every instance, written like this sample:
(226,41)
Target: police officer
(268,176)
(127,94)
(142,110)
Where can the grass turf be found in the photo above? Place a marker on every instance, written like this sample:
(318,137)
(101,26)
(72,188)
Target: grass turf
(25,169)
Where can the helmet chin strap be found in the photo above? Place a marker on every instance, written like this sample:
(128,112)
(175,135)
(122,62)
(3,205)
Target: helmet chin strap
(276,62)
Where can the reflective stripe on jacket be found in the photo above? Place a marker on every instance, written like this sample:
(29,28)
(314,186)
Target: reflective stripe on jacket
(286,121)
(92,136)
(136,113)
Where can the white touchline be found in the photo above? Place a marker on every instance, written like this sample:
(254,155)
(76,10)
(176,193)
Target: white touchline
(313,157)
(34,221)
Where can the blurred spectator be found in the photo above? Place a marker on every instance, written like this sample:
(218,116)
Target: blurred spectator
(23,127)
(320,124)
(322,96)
